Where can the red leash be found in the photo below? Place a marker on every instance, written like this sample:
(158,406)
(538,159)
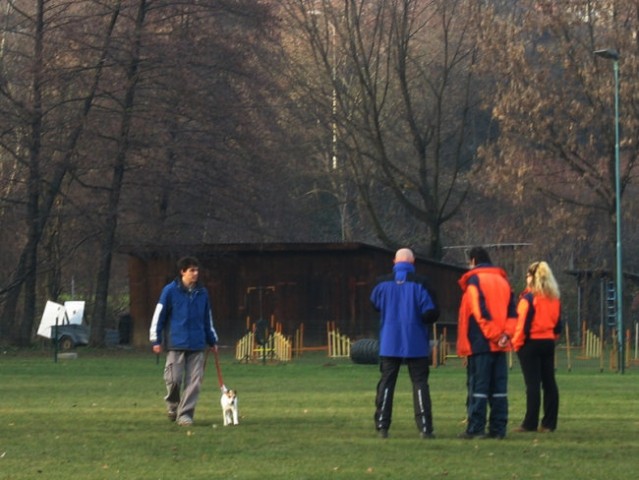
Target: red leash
(220,380)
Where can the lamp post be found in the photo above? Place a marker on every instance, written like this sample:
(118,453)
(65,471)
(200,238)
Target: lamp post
(612,54)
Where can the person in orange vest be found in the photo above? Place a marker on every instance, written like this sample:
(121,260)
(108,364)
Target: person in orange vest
(487,320)
(538,327)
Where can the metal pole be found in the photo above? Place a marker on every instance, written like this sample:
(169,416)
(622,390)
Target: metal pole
(618,222)
(612,54)
(55,340)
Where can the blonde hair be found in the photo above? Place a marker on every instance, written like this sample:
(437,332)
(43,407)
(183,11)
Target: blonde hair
(543,281)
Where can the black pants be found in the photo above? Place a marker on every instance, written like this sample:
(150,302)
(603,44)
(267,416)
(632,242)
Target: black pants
(418,369)
(537,359)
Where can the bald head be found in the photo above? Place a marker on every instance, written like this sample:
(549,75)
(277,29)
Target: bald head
(404,255)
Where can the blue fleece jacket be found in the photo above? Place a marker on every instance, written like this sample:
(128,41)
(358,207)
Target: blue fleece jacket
(407,306)
(183,319)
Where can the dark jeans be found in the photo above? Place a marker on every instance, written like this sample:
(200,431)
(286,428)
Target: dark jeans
(418,369)
(537,359)
(487,386)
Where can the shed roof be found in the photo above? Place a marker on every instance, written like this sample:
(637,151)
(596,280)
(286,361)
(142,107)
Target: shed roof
(152,250)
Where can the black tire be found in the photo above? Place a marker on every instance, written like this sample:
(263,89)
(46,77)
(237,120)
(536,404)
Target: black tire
(65,343)
(365,351)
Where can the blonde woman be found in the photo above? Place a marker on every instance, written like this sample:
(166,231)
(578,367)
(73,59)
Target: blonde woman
(538,327)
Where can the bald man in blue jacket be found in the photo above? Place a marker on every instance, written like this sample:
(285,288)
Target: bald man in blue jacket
(407,306)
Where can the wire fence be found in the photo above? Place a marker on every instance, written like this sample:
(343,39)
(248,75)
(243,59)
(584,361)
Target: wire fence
(597,350)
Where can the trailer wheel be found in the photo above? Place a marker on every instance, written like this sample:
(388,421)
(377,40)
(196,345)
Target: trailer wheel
(365,351)
(65,343)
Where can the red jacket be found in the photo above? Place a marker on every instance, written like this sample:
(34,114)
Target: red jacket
(486,312)
(539,318)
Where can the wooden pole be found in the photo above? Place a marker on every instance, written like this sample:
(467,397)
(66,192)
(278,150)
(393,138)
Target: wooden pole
(568,348)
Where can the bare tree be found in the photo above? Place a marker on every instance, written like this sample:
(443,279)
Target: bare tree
(197,89)
(406,112)
(554,107)
(218,172)
(107,240)
(31,134)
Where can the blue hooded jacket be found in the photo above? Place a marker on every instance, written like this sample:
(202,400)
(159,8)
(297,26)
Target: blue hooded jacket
(183,319)
(407,306)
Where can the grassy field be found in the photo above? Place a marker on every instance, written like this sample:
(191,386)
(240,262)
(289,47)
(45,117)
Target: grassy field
(101,416)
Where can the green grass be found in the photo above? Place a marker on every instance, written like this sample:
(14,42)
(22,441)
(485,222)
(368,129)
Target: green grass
(102,417)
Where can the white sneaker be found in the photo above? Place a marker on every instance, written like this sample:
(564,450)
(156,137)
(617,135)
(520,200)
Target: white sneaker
(184,421)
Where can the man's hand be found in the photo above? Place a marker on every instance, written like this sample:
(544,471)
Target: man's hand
(157,349)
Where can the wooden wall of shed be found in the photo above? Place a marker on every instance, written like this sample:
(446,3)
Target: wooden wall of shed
(146,279)
(292,287)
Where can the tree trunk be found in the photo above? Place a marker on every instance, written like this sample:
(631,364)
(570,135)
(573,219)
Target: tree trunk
(108,239)
(24,278)
(18,326)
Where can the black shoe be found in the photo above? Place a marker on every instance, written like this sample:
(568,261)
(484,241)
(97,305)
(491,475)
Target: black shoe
(470,436)
(522,429)
(427,435)
(496,436)
(382,433)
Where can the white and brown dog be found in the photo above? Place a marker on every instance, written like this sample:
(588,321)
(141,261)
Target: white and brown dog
(230,411)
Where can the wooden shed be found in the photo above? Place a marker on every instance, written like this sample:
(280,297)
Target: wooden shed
(291,284)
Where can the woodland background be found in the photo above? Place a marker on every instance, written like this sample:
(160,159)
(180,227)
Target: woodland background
(429,123)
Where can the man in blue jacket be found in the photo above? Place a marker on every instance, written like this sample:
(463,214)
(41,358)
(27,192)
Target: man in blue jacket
(407,306)
(183,323)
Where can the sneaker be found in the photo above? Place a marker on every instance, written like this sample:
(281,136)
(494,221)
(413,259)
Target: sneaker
(184,421)
(545,430)
(470,436)
(427,435)
(382,433)
(496,436)
(172,414)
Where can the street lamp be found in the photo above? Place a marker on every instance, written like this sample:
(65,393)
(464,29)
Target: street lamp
(612,54)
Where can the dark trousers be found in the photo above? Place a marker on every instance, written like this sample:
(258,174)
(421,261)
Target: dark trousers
(537,359)
(418,370)
(487,386)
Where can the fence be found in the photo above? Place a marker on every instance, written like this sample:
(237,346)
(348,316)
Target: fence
(276,348)
(338,345)
(592,346)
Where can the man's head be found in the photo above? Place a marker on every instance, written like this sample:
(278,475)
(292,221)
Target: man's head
(404,255)
(189,268)
(478,255)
